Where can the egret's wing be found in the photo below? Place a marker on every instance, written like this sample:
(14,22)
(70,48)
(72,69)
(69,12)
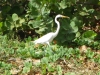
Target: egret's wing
(46,38)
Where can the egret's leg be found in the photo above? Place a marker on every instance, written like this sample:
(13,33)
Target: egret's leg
(48,44)
(49,50)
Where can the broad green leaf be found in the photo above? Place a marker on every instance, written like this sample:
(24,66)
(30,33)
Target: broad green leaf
(65,24)
(33,3)
(59,70)
(1,24)
(89,34)
(6,9)
(91,11)
(75,29)
(50,68)
(8,25)
(90,54)
(21,20)
(83,13)
(34,11)
(27,67)
(74,19)
(77,21)
(34,24)
(78,34)
(99,2)
(41,30)
(15,17)
(9,18)
(63,4)
(85,9)
(43,10)
(72,24)
(44,60)
(70,36)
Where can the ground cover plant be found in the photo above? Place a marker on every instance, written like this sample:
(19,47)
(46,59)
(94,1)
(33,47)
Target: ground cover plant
(75,51)
(22,58)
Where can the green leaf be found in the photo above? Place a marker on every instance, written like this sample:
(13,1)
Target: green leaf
(65,24)
(73,28)
(8,25)
(41,30)
(70,36)
(59,70)
(15,17)
(22,21)
(50,68)
(27,67)
(72,23)
(44,60)
(34,24)
(89,34)
(63,4)
(90,54)
(85,9)
(34,11)
(9,18)
(78,34)
(91,10)
(6,9)
(99,2)
(83,13)
(1,24)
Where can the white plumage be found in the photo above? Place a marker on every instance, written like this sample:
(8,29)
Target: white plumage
(46,39)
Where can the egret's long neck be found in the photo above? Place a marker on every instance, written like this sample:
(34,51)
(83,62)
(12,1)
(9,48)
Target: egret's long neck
(58,27)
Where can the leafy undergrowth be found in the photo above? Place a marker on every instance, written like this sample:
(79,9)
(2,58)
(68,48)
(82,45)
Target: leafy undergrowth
(20,58)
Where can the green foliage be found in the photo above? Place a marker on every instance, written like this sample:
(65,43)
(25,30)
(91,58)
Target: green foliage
(81,29)
(98,73)
(0,25)
(27,67)
(52,60)
(90,54)
(38,15)
(15,17)
(89,34)
(59,70)
(5,68)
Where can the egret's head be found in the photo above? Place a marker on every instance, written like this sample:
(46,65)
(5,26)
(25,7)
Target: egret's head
(62,16)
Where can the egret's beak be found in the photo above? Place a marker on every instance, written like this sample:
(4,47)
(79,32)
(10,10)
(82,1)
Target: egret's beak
(65,17)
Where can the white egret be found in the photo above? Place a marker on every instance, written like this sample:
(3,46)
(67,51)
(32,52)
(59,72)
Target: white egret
(46,39)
